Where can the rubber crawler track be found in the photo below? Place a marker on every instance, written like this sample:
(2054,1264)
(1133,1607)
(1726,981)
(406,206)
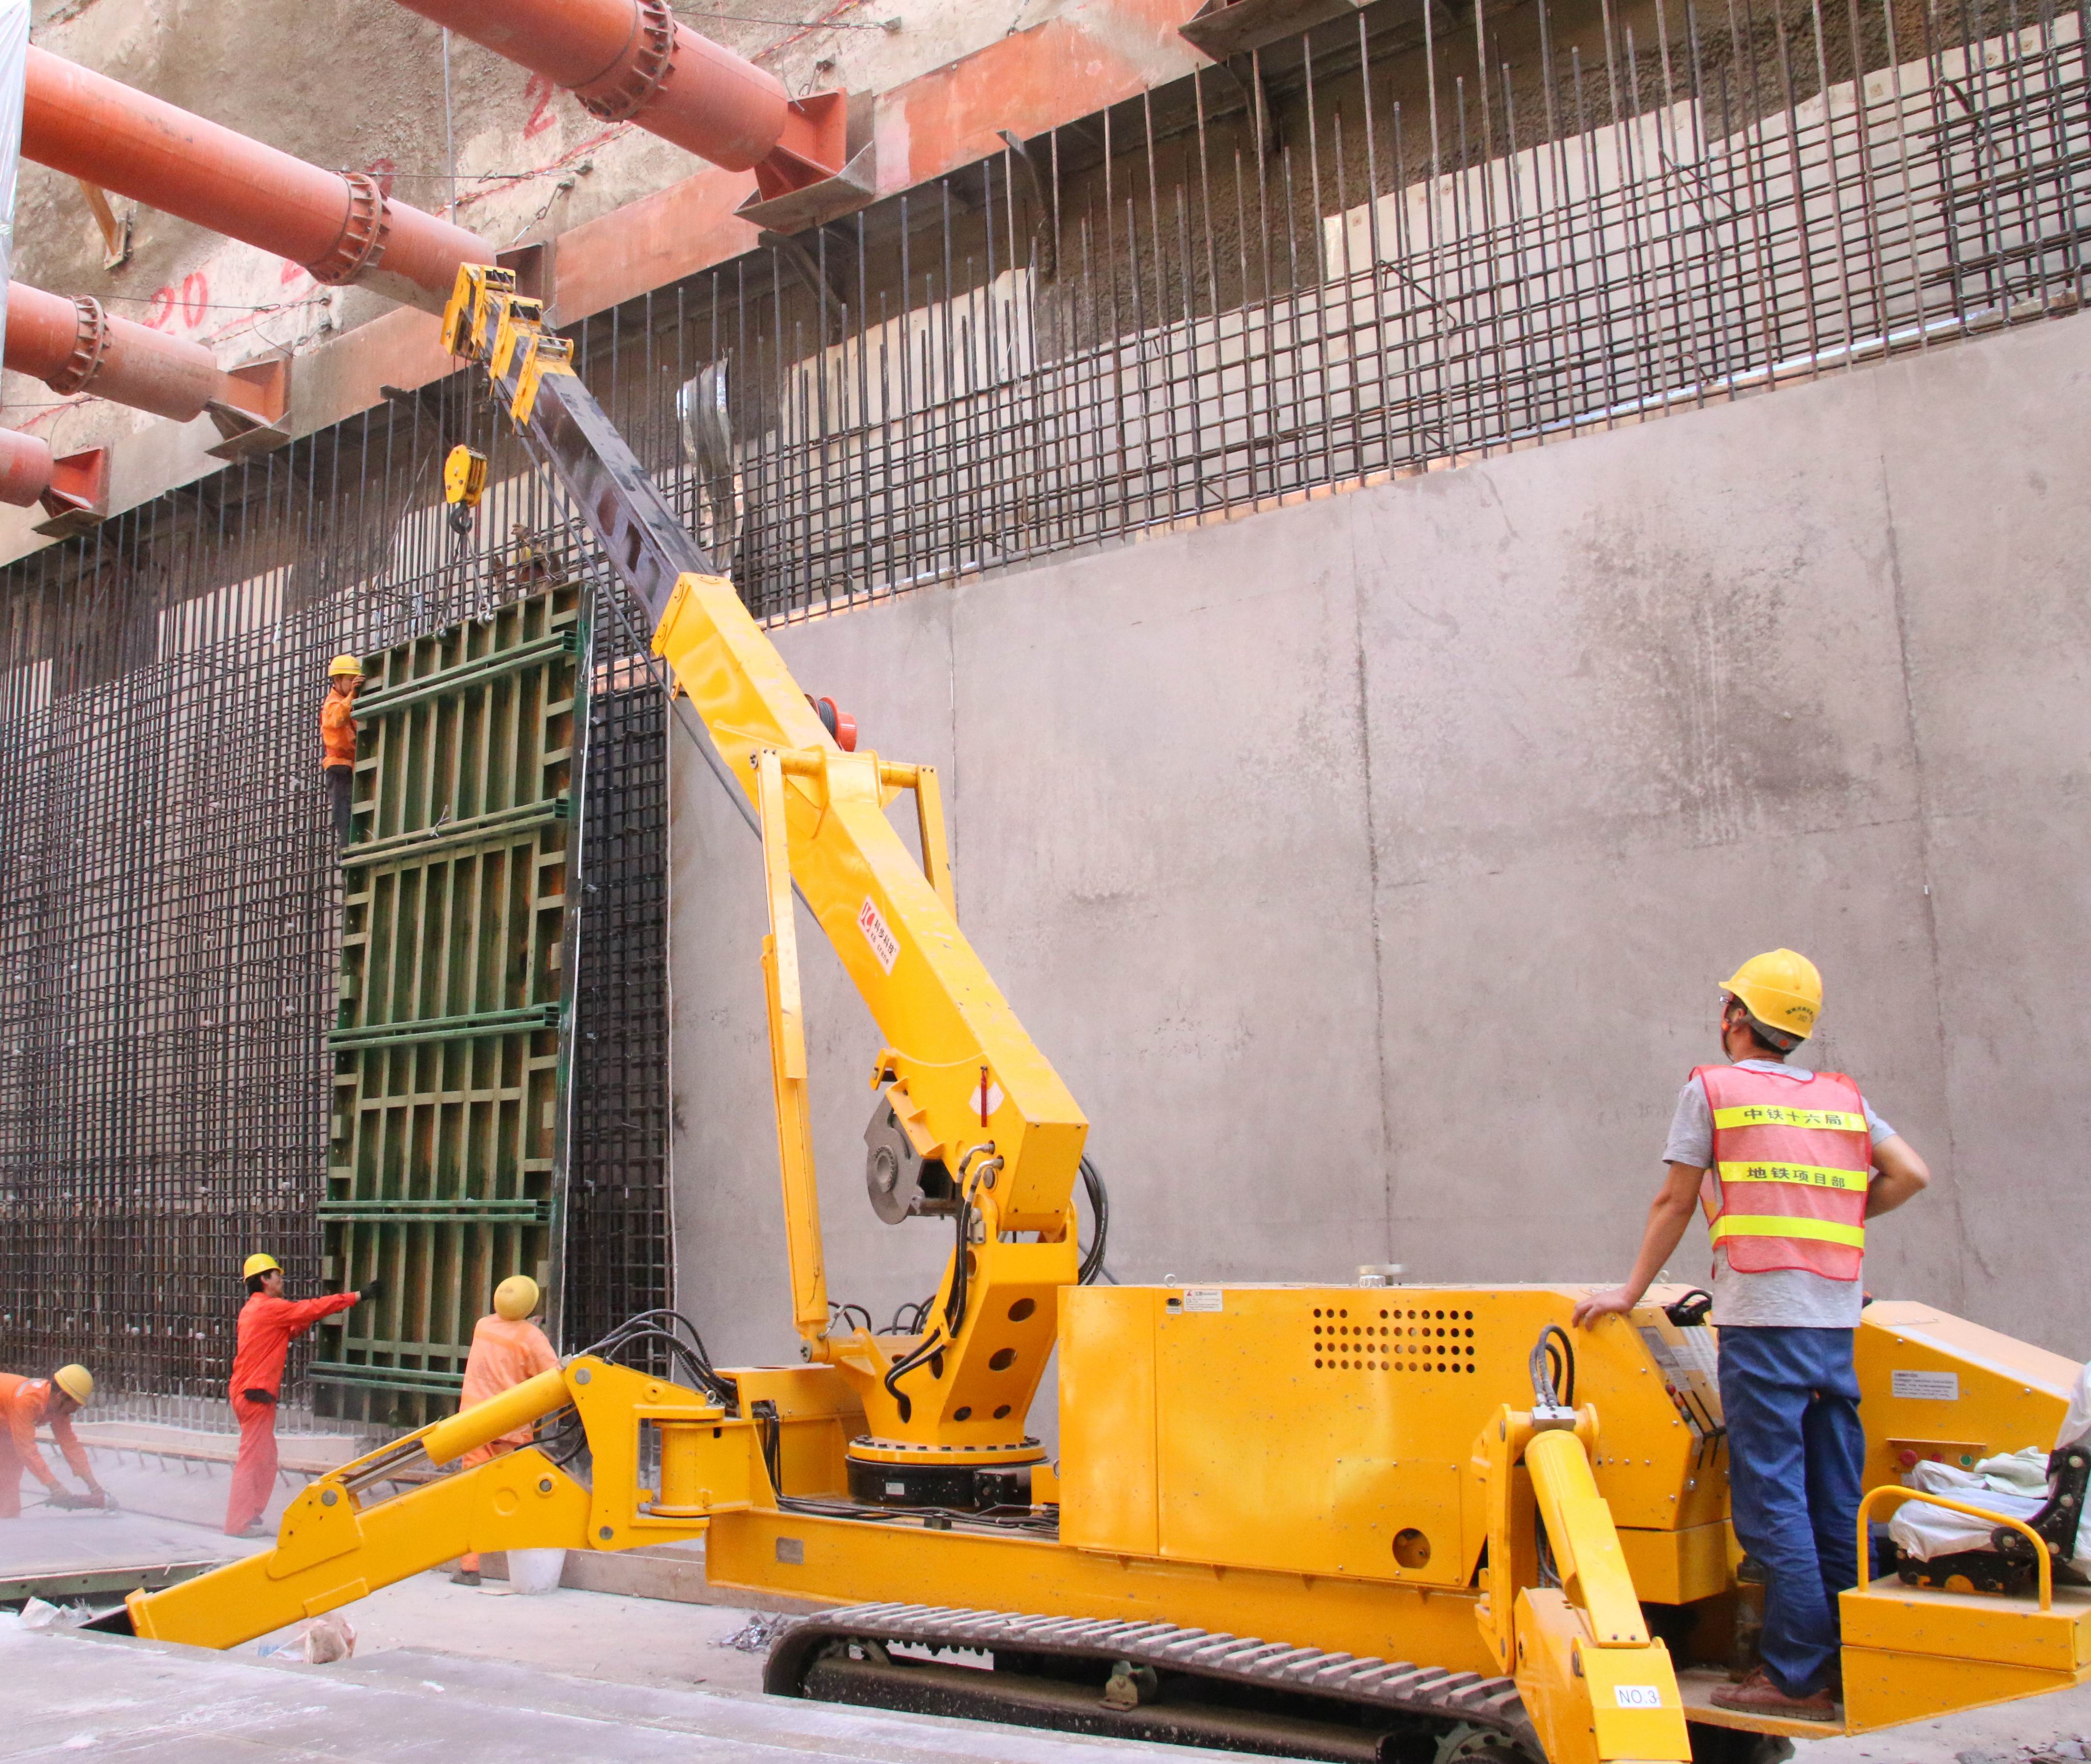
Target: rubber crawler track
(1352,1680)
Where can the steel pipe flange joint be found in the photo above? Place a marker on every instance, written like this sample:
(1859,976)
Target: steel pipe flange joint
(361,246)
(90,344)
(631,86)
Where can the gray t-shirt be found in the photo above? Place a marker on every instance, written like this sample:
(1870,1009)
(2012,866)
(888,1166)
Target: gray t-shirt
(1788,1298)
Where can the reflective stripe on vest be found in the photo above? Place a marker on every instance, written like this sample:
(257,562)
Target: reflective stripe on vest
(1793,1157)
(1757,1225)
(1771,1114)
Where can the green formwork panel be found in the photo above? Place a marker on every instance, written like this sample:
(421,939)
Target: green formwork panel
(446,1174)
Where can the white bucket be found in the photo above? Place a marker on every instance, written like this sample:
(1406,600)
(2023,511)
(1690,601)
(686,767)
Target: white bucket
(535,1571)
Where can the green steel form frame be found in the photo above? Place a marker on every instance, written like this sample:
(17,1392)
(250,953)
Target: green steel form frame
(452,1049)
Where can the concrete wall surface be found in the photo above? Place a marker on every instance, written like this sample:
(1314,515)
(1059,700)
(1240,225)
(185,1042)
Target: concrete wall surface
(1369,867)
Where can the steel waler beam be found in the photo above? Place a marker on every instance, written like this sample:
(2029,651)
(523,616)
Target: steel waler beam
(338,225)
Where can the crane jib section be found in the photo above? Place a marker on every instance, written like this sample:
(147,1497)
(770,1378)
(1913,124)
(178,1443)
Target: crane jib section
(966,1083)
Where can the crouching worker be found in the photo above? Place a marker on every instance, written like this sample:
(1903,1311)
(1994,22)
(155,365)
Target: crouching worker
(507,1349)
(23,1403)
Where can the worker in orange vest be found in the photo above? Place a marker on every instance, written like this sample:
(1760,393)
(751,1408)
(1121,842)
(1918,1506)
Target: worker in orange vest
(269,1322)
(1790,1165)
(26,1402)
(338,741)
(507,1349)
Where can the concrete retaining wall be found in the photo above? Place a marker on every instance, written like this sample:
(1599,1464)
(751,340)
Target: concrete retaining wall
(1369,867)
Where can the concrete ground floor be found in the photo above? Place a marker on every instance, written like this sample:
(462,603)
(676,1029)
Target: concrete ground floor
(63,1694)
(462,1674)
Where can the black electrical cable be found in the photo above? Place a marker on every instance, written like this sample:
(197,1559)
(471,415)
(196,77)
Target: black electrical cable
(1093,1259)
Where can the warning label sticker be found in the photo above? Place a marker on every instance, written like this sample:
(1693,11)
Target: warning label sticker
(878,934)
(1926,1387)
(1201,1298)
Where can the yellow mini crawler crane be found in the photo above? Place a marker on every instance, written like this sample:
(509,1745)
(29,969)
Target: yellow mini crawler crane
(1369,1521)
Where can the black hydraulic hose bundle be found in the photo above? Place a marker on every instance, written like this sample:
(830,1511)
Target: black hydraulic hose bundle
(647,1327)
(1092,1258)
(1553,1369)
(947,1332)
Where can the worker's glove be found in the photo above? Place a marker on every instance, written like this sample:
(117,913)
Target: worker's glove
(65,1498)
(370,1289)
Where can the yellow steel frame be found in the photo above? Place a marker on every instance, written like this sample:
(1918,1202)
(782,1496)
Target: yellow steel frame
(967,1084)
(1598,1687)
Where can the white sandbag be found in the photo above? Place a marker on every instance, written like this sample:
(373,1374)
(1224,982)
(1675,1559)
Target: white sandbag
(535,1571)
(318,1642)
(1923,1531)
(2012,1485)
(2076,1420)
(37,1615)
(2023,1472)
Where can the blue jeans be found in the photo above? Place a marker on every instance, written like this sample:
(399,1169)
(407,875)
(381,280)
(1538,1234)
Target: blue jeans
(1796,1454)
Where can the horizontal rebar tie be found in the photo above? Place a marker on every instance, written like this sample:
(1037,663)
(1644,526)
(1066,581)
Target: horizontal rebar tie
(440,1211)
(449,680)
(451,837)
(391,1378)
(530,1018)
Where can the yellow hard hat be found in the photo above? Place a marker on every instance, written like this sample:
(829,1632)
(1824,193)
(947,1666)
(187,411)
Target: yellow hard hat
(345,665)
(76,1382)
(1781,989)
(261,1263)
(515,1296)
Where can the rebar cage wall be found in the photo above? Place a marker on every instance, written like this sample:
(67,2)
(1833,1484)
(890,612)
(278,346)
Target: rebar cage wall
(1409,237)
(170,899)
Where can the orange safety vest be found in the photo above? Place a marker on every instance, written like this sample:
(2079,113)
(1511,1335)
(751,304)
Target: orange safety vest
(1793,1156)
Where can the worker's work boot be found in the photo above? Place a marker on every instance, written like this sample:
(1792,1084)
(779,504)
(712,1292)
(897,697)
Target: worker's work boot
(464,1577)
(1757,1695)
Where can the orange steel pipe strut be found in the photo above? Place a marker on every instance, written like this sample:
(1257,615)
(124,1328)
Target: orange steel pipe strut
(630,61)
(339,226)
(73,346)
(25,468)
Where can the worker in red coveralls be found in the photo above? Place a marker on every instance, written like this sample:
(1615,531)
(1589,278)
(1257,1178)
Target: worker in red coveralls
(25,1401)
(268,1324)
(507,1349)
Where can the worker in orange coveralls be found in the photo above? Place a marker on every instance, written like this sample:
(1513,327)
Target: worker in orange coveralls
(507,1349)
(338,741)
(269,1322)
(25,1401)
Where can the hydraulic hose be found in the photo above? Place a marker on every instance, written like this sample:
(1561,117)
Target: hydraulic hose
(1093,1259)
(1553,1368)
